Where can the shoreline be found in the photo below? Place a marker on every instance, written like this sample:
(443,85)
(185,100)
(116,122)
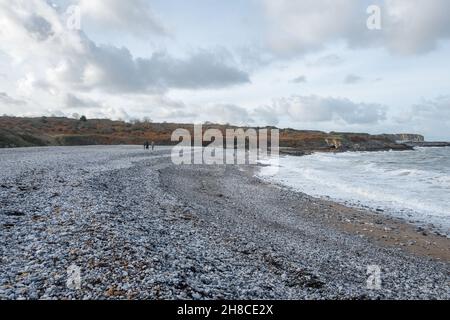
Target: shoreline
(381,227)
(142,228)
(385,229)
(359,205)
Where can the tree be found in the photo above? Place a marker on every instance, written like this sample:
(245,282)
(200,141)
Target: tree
(83,119)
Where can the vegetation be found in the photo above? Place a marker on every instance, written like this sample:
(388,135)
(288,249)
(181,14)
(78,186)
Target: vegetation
(55,131)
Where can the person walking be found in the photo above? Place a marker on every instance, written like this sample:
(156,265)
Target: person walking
(146,145)
(153,145)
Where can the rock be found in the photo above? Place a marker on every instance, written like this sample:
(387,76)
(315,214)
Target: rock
(12,213)
(123,227)
(196,296)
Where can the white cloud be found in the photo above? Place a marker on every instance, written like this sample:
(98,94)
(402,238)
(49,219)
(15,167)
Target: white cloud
(132,16)
(295,109)
(114,70)
(220,113)
(330,60)
(430,117)
(46,68)
(266,115)
(319,109)
(438,109)
(416,26)
(223,113)
(303,26)
(408,26)
(35,36)
(227,113)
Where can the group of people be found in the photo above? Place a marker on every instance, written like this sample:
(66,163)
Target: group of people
(147,145)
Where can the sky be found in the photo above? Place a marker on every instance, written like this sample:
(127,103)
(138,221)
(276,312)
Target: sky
(303,64)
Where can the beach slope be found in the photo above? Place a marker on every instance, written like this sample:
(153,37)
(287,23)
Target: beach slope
(139,227)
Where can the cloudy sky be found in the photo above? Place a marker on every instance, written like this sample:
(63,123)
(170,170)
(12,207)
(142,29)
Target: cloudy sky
(305,64)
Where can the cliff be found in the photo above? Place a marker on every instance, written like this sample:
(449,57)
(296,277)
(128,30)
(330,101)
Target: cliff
(405,137)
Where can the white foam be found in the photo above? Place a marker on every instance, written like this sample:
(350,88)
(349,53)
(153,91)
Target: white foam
(412,184)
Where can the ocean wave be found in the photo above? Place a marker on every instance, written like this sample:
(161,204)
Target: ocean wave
(414,184)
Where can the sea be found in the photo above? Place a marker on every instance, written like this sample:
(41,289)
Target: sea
(414,185)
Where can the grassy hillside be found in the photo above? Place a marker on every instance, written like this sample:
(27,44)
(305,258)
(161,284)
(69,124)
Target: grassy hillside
(52,131)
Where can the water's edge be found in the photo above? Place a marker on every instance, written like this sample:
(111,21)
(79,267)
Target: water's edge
(421,202)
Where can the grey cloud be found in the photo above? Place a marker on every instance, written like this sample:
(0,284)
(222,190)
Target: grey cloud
(6,99)
(309,109)
(408,26)
(299,27)
(39,27)
(116,70)
(223,113)
(203,69)
(330,60)
(253,57)
(416,26)
(73,62)
(299,79)
(298,109)
(437,109)
(352,79)
(266,115)
(175,114)
(227,113)
(72,101)
(213,112)
(318,109)
(430,117)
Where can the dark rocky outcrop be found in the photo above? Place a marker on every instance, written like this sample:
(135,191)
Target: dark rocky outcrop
(429,144)
(298,142)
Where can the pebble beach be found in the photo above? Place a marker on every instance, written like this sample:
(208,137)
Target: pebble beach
(139,227)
